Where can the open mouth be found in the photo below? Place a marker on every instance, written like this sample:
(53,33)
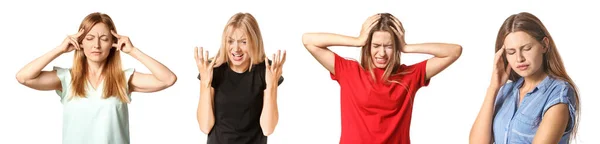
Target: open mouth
(381,60)
(237,57)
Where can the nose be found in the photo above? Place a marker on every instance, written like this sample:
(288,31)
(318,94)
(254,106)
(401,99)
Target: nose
(381,51)
(96,44)
(520,57)
(236,46)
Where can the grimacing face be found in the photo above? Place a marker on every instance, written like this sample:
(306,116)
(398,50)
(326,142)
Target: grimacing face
(237,47)
(524,53)
(382,48)
(97,43)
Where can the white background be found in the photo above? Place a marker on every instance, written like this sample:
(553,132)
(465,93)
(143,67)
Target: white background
(308,99)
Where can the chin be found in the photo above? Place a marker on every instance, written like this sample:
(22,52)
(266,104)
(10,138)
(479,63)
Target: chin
(96,59)
(381,66)
(525,73)
(238,63)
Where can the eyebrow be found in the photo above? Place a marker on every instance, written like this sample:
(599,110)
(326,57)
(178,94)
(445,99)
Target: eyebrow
(520,46)
(243,38)
(95,35)
(383,45)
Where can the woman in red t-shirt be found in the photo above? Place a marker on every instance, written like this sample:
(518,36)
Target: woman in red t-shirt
(377,93)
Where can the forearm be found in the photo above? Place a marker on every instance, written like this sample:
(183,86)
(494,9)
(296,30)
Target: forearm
(440,50)
(34,68)
(205,115)
(481,132)
(158,70)
(324,40)
(270,113)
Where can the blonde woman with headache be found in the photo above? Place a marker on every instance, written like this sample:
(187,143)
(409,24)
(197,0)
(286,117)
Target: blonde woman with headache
(96,90)
(238,87)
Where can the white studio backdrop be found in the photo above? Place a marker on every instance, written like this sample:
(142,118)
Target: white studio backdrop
(309,101)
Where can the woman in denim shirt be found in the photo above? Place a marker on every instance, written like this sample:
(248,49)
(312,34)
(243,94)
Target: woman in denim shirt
(541,103)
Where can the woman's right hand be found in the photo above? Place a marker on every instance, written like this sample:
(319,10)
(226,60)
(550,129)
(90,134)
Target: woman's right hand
(501,72)
(204,67)
(366,28)
(70,43)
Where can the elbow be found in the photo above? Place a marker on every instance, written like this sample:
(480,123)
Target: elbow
(268,130)
(206,127)
(457,51)
(20,79)
(306,40)
(166,83)
(268,127)
(171,81)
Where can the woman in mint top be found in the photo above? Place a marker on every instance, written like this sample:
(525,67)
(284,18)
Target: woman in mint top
(96,90)
(541,103)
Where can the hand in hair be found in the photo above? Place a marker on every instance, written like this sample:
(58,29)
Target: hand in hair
(204,66)
(71,42)
(501,72)
(123,43)
(366,28)
(273,70)
(399,30)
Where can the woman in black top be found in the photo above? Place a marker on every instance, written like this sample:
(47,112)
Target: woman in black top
(238,90)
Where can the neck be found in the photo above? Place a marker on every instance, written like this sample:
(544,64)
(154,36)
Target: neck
(95,68)
(239,68)
(533,80)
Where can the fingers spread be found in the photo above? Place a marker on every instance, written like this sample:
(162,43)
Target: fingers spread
(196,53)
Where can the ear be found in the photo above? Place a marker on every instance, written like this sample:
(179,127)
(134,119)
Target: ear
(546,44)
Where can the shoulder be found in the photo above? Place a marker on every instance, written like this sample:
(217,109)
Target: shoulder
(61,69)
(560,89)
(62,73)
(505,90)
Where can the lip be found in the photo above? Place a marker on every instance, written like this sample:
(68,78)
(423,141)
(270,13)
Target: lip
(235,58)
(96,53)
(522,66)
(380,60)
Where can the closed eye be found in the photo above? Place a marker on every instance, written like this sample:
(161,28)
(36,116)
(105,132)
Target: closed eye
(510,51)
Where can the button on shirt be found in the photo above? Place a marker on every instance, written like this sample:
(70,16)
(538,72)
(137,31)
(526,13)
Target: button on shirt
(515,123)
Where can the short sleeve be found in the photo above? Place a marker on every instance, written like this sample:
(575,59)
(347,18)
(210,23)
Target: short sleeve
(64,74)
(420,73)
(128,73)
(562,94)
(342,67)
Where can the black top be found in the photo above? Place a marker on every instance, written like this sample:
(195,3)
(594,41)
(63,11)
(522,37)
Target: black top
(238,103)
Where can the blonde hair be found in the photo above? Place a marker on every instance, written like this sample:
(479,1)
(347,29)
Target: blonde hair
(247,23)
(114,81)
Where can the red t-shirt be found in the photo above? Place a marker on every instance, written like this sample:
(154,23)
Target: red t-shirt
(374,112)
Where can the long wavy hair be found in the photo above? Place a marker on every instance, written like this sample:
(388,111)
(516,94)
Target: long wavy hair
(114,78)
(552,62)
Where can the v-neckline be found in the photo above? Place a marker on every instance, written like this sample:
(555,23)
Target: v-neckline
(97,87)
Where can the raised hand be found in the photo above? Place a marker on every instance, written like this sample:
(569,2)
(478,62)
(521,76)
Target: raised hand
(399,30)
(500,73)
(367,26)
(123,43)
(70,43)
(273,70)
(204,67)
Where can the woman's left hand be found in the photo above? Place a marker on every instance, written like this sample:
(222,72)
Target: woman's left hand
(123,43)
(273,70)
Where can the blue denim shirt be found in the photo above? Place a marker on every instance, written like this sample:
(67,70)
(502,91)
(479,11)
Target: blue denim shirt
(517,124)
